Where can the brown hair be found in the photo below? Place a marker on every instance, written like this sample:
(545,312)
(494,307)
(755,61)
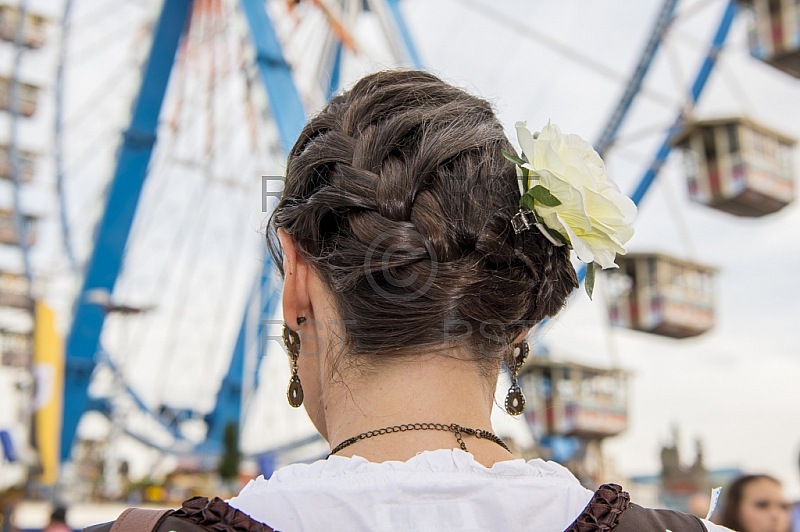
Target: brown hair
(733,500)
(398,194)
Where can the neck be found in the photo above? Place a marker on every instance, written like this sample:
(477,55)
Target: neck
(431,390)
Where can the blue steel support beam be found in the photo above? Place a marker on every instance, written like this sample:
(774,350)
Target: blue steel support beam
(697,88)
(105,407)
(336,71)
(276,74)
(269,288)
(112,233)
(663,22)
(394,7)
(229,399)
(287,108)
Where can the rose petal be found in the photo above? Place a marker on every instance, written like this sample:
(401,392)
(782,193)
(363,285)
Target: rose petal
(543,229)
(582,250)
(605,258)
(572,203)
(601,207)
(588,175)
(624,233)
(546,157)
(604,248)
(525,139)
(586,150)
(552,221)
(625,205)
(551,133)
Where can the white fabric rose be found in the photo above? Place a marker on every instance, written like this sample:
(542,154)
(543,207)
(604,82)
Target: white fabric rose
(593,215)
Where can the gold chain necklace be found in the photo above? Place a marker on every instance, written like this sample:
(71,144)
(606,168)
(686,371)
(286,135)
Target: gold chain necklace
(457,430)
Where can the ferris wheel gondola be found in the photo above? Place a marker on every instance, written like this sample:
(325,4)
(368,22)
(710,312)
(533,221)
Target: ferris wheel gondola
(775,33)
(738,166)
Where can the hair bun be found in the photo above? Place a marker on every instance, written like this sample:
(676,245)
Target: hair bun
(398,193)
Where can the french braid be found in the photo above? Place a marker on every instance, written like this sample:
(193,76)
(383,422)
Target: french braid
(398,194)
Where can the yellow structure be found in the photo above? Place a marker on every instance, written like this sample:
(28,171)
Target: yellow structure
(659,294)
(738,166)
(48,363)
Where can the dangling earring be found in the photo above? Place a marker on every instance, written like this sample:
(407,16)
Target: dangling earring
(292,342)
(515,400)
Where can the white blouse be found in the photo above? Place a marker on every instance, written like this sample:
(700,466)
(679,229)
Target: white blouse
(435,490)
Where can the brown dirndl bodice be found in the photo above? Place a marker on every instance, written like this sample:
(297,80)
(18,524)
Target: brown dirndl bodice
(608,510)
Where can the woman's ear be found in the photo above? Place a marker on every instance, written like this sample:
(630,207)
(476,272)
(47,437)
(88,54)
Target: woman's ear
(296,300)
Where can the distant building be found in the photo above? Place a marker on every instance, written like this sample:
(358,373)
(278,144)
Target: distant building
(682,487)
(679,483)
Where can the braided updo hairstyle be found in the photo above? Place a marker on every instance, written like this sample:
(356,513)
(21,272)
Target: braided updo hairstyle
(398,195)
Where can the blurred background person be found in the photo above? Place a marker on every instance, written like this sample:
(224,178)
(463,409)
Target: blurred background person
(796,511)
(699,504)
(58,521)
(755,503)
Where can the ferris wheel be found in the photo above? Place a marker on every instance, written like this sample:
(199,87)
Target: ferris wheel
(205,172)
(169,328)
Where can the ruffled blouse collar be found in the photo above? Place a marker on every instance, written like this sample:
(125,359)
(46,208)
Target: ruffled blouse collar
(440,460)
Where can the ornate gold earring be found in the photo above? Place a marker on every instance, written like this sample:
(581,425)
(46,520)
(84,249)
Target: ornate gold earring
(515,400)
(292,342)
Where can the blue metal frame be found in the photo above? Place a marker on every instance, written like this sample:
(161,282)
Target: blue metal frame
(394,7)
(336,71)
(697,88)
(228,406)
(287,108)
(276,74)
(104,406)
(663,22)
(103,267)
(58,157)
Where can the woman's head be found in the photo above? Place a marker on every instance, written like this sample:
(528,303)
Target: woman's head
(755,503)
(398,197)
